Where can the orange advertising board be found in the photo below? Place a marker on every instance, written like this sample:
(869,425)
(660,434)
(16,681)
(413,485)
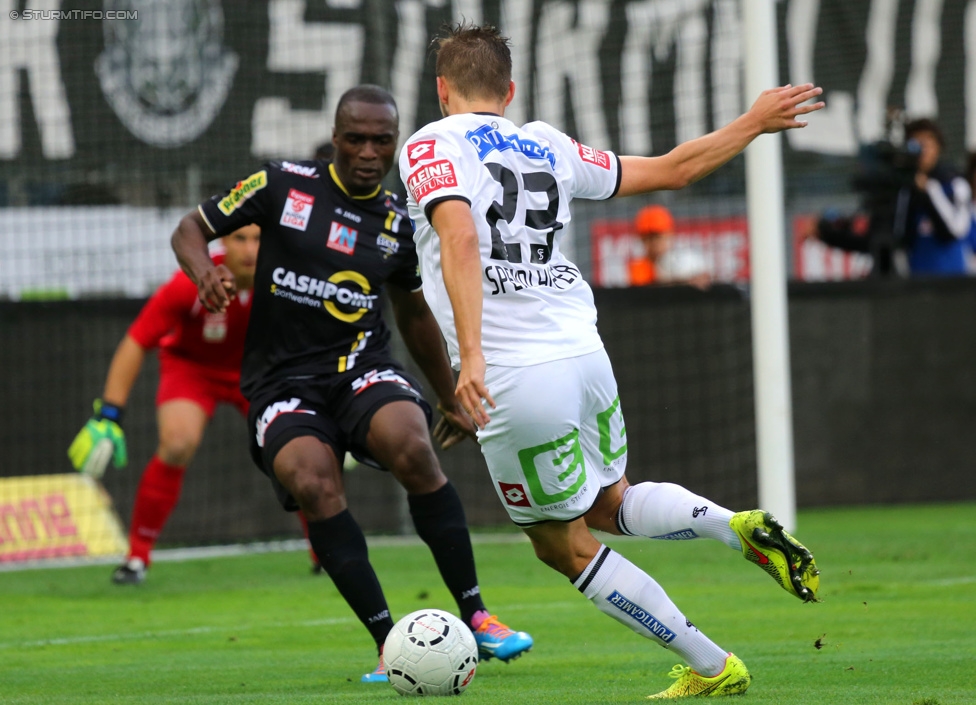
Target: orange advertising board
(57,516)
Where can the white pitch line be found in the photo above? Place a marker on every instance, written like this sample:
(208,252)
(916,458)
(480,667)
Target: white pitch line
(947,582)
(190,631)
(91,639)
(244,549)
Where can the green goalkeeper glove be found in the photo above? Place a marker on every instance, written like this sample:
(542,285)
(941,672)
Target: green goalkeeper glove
(100,441)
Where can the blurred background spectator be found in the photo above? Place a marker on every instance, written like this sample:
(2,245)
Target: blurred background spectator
(661,263)
(324,152)
(971,180)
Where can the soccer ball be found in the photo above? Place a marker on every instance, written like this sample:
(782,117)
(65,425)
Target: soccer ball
(430,652)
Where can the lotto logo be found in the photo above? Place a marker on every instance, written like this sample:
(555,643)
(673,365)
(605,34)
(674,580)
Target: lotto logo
(419,152)
(514,494)
(593,156)
(431,178)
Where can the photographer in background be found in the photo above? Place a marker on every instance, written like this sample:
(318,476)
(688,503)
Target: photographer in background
(939,213)
(915,204)
(971,180)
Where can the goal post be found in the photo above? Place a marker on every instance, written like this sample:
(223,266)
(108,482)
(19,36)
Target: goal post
(765,208)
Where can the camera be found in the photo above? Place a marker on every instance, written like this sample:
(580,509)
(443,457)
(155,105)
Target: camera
(884,168)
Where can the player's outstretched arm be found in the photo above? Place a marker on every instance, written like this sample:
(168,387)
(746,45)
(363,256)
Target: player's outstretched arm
(215,283)
(122,371)
(461,267)
(426,345)
(775,110)
(102,439)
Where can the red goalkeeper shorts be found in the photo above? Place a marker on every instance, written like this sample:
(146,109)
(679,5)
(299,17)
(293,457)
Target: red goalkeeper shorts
(179,379)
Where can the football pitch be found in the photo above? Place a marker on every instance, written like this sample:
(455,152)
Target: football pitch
(897,624)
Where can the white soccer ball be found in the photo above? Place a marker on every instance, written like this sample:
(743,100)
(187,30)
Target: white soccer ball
(430,652)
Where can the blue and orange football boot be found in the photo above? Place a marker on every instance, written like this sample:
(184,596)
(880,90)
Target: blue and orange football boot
(496,640)
(377,675)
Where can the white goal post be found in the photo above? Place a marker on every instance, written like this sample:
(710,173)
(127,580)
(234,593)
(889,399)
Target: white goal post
(770,316)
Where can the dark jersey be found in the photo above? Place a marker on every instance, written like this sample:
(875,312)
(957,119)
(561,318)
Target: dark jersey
(324,258)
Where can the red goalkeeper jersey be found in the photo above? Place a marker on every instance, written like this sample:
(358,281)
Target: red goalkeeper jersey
(176,322)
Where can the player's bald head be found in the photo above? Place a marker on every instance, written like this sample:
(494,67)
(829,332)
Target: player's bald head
(366,93)
(365,138)
(476,61)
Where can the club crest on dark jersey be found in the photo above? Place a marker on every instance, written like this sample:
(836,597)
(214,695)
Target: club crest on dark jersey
(388,245)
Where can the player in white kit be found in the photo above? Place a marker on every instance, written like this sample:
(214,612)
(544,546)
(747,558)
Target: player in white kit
(490,201)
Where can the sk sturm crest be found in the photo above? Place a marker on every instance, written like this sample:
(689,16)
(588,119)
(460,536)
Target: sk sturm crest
(430,652)
(166,74)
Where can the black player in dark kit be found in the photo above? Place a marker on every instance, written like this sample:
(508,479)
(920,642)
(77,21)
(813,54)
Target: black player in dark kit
(317,367)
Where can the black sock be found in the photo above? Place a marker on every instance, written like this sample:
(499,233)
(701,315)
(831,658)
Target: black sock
(439,520)
(341,549)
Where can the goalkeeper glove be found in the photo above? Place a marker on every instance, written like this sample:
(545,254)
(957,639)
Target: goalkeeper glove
(100,441)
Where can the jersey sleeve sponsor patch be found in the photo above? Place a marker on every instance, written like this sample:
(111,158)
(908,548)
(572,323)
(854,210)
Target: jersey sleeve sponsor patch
(420,151)
(242,191)
(593,156)
(297,210)
(430,178)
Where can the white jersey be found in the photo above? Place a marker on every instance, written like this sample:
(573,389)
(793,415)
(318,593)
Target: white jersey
(519,182)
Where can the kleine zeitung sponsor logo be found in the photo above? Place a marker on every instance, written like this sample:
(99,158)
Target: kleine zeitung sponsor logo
(429,178)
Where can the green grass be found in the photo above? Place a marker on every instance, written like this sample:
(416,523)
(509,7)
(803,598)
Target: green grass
(896,624)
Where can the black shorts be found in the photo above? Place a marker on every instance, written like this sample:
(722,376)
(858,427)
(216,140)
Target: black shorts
(336,409)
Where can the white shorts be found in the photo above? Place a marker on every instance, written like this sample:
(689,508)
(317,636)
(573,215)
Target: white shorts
(556,437)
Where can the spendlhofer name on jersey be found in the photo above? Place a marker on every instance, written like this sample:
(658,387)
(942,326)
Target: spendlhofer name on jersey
(504,279)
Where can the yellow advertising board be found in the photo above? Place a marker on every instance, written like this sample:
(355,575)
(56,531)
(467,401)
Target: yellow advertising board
(57,516)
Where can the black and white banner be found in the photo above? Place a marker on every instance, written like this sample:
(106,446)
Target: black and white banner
(152,86)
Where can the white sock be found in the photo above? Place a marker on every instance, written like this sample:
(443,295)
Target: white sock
(625,592)
(663,510)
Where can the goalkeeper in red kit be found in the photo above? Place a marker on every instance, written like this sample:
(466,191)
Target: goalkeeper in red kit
(200,366)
